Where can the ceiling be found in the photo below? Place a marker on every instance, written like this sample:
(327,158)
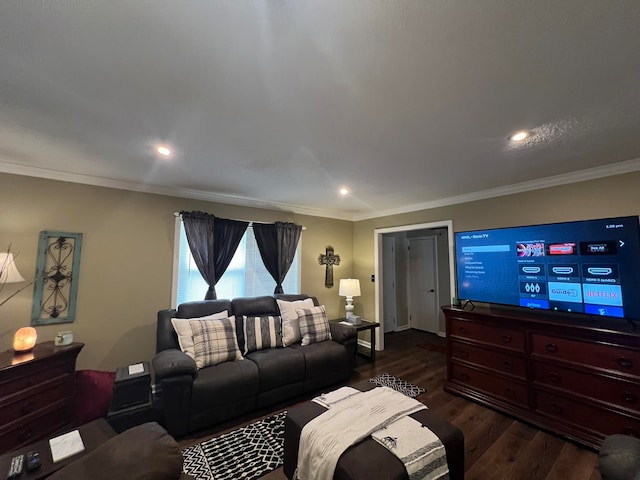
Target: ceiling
(277,104)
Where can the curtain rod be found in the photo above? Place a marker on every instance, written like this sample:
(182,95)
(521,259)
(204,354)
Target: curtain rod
(177,214)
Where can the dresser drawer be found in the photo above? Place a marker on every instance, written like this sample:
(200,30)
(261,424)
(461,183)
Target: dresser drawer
(596,355)
(503,362)
(38,400)
(604,422)
(503,337)
(33,377)
(23,433)
(605,389)
(508,390)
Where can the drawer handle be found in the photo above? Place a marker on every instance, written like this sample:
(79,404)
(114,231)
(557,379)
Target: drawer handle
(508,364)
(632,432)
(462,330)
(464,376)
(27,407)
(555,407)
(624,362)
(24,435)
(506,338)
(554,377)
(551,347)
(464,353)
(509,392)
(31,382)
(629,397)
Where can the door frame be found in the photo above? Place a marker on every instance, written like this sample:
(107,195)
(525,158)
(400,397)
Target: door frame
(378,270)
(393,279)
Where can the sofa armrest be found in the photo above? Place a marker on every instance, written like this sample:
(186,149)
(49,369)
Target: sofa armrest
(144,452)
(173,363)
(342,333)
(619,458)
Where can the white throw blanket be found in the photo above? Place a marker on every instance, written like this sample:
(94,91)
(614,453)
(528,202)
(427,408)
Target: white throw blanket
(349,421)
(421,451)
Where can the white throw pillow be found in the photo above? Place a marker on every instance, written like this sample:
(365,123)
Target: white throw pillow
(290,322)
(185,334)
(215,341)
(314,326)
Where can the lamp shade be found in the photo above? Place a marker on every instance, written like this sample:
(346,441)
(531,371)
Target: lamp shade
(8,271)
(24,339)
(349,287)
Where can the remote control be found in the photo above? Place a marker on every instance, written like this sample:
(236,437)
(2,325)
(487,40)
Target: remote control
(33,461)
(16,466)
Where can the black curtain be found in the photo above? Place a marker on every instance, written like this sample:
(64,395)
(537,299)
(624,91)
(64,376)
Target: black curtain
(277,243)
(213,242)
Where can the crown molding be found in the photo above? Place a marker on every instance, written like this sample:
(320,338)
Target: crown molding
(166,191)
(556,180)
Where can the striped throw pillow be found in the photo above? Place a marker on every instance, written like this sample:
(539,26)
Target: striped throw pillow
(314,326)
(215,341)
(262,332)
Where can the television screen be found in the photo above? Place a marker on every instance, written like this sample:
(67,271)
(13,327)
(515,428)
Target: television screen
(590,266)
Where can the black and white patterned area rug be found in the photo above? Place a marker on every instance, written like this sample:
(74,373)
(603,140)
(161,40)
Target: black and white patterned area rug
(402,386)
(255,450)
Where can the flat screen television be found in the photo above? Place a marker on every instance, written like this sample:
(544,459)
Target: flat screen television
(590,267)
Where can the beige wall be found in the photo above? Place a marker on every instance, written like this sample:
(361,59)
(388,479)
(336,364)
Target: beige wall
(126,262)
(606,197)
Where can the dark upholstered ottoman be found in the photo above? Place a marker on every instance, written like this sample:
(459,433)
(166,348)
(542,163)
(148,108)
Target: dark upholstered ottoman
(369,460)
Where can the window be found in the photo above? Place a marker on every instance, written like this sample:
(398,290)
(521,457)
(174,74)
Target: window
(246,275)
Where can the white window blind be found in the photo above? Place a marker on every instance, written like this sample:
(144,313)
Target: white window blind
(246,275)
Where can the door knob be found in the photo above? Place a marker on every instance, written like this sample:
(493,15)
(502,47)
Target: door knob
(432,290)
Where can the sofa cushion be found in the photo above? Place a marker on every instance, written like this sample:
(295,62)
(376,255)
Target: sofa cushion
(182,326)
(144,452)
(261,332)
(290,321)
(278,366)
(224,383)
(325,363)
(215,341)
(314,326)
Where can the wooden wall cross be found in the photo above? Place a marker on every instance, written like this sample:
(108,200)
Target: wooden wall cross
(329,259)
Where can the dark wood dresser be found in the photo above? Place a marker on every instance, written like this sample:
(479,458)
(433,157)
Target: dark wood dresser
(36,393)
(571,377)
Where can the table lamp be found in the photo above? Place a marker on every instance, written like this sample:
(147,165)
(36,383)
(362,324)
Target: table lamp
(9,274)
(349,287)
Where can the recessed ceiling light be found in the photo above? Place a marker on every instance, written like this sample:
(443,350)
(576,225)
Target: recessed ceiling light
(344,191)
(519,136)
(164,150)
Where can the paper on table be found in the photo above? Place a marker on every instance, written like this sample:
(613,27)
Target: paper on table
(346,323)
(66,445)
(136,368)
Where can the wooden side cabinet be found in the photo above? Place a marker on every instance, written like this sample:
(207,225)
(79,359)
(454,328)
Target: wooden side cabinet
(36,393)
(571,377)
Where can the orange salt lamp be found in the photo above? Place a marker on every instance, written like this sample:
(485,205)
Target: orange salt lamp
(24,339)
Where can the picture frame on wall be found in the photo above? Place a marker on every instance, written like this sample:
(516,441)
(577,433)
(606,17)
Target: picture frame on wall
(57,275)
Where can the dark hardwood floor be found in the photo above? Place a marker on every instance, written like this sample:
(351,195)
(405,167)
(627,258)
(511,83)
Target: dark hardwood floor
(496,446)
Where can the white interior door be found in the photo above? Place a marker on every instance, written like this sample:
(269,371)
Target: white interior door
(423,284)
(389,281)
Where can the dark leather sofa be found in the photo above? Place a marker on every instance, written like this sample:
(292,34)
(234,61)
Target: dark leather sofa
(144,452)
(190,399)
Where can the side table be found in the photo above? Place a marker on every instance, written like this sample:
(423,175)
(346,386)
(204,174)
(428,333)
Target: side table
(361,327)
(93,435)
(132,400)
